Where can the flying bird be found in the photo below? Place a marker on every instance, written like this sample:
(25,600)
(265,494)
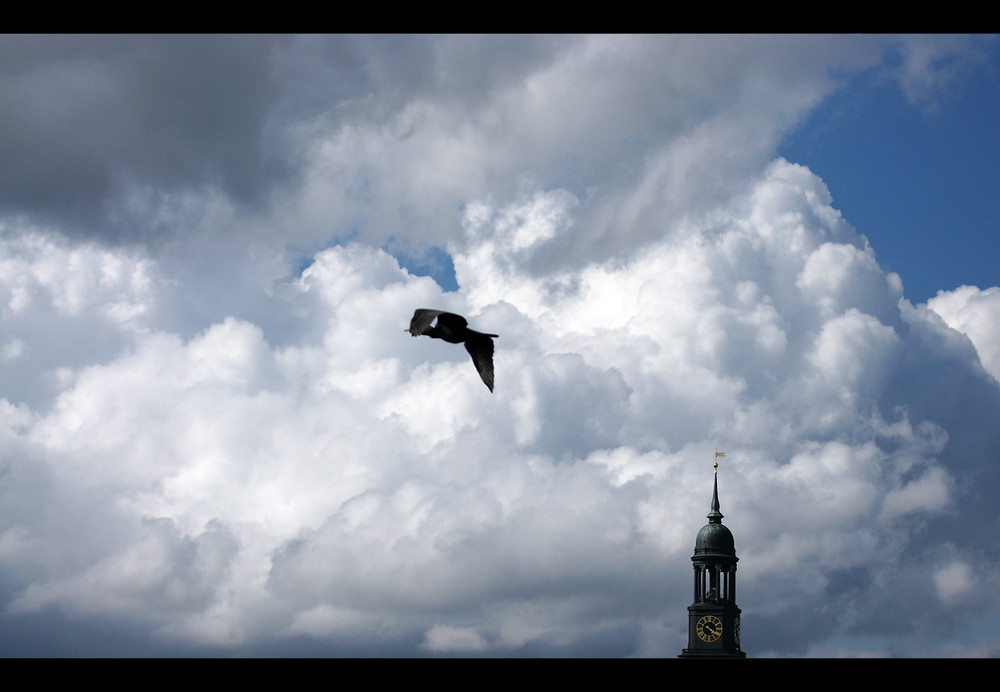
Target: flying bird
(455,330)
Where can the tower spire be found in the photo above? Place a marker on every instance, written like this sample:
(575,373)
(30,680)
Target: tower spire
(715,516)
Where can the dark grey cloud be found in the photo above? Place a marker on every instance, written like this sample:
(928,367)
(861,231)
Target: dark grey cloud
(83,116)
(87,120)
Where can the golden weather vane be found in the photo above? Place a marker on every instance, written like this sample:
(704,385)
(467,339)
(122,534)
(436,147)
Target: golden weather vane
(717,455)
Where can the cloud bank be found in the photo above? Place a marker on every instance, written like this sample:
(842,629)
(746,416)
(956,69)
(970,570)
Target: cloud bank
(217,438)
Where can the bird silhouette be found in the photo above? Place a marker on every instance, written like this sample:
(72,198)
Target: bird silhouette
(454,329)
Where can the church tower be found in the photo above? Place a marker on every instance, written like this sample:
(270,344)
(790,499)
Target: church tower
(714,617)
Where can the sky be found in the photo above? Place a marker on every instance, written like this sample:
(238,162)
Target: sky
(218,440)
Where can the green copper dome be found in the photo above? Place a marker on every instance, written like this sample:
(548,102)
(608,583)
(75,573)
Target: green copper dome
(714,539)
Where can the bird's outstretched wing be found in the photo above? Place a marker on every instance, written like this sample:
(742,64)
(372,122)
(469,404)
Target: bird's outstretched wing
(422,319)
(480,347)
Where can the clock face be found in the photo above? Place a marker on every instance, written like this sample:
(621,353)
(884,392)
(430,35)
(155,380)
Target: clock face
(709,628)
